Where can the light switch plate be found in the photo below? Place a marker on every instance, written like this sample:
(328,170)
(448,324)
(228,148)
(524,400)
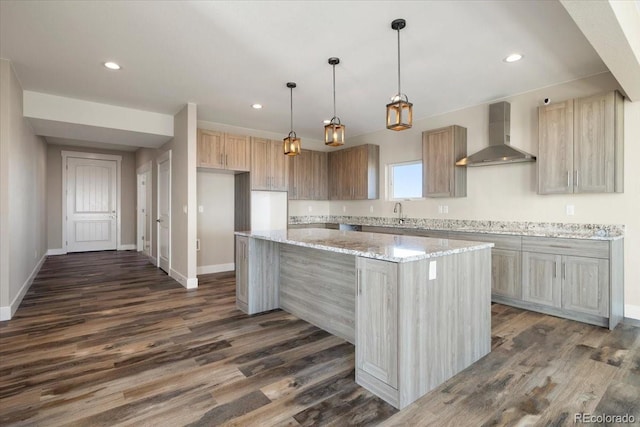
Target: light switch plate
(571,210)
(184,208)
(200,208)
(432,270)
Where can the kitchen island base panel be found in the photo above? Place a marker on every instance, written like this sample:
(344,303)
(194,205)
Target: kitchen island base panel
(263,275)
(319,287)
(445,324)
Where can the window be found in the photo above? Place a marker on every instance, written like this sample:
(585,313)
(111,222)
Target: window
(405,180)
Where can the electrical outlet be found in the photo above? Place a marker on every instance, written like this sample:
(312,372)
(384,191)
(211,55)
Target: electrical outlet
(309,208)
(200,208)
(184,208)
(440,209)
(344,208)
(445,209)
(371,209)
(571,210)
(432,270)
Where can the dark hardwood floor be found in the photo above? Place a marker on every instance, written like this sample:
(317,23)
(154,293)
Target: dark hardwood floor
(105,338)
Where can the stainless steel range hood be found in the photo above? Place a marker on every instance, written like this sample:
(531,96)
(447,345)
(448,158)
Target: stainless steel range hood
(499,150)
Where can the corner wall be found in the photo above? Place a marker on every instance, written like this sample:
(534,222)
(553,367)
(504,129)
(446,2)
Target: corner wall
(23,227)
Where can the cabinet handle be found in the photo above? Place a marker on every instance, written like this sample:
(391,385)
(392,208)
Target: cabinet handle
(577,178)
(358,281)
(568,180)
(226,159)
(564,270)
(555,268)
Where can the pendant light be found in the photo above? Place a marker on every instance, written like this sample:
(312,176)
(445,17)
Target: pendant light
(334,131)
(400,110)
(291,143)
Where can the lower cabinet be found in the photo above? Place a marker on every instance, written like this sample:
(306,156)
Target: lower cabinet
(377,320)
(242,271)
(575,284)
(506,272)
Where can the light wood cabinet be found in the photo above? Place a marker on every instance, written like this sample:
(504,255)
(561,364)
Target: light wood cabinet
(218,150)
(541,281)
(581,145)
(441,149)
(586,285)
(377,320)
(506,273)
(269,165)
(353,173)
(308,176)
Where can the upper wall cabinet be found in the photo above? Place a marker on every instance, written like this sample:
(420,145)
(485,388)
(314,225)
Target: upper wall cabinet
(441,149)
(581,145)
(218,150)
(308,176)
(269,165)
(353,173)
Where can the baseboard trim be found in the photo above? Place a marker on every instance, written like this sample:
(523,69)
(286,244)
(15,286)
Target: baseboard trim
(191,283)
(216,268)
(632,311)
(153,260)
(631,322)
(58,251)
(7,312)
(129,247)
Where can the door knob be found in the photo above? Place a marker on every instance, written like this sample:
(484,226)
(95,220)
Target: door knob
(158,220)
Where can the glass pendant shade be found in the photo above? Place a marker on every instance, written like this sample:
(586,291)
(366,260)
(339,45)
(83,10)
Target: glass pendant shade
(399,110)
(334,133)
(399,113)
(291,145)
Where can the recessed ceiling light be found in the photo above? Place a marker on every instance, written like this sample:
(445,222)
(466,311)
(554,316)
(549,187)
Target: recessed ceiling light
(112,65)
(513,57)
(326,122)
(256,106)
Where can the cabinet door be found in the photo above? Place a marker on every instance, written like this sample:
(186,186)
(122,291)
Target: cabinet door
(377,319)
(301,176)
(359,171)
(594,144)
(438,163)
(506,273)
(555,150)
(336,175)
(541,281)
(237,152)
(279,175)
(242,269)
(210,149)
(320,182)
(586,285)
(260,163)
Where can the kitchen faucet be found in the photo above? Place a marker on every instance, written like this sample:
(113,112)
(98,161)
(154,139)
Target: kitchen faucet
(398,209)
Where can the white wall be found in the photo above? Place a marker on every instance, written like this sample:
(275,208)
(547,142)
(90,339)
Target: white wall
(216,222)
(508,192)
(183,195)
(23,228)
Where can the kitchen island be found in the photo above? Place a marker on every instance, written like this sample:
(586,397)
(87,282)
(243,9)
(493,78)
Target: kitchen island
(417,309)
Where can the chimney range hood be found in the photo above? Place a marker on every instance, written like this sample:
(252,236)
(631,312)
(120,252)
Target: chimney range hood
(499,150)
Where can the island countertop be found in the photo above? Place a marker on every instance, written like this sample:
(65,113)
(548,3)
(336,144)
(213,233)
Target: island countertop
(384,247)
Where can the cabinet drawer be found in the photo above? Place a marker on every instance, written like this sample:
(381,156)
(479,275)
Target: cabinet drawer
(501,241)
(576,247)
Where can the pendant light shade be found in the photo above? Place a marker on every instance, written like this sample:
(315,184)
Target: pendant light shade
(399,110)
(291,144)
(334,131)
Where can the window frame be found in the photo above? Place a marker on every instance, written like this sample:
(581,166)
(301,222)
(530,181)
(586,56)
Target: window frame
(390,183)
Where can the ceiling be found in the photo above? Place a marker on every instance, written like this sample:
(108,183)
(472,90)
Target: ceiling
(226,55)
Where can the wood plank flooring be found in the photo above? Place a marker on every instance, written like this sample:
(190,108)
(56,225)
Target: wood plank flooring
(105,338)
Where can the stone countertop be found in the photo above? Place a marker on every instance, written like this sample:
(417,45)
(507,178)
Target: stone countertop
(516,228)
(386,247)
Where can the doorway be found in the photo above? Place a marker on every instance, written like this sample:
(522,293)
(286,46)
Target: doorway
(143,210)
(91,201)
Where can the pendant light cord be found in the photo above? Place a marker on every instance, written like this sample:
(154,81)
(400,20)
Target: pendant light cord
(334,91)
(399,90)
(291,109)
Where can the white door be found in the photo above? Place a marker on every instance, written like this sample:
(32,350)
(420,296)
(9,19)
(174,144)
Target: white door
(91,205)
(164,211)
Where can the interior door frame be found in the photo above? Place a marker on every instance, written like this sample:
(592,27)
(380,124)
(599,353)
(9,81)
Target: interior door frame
(146,171)
(94,156)
(166,156)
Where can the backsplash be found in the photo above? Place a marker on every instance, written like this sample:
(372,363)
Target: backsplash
(549,229)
